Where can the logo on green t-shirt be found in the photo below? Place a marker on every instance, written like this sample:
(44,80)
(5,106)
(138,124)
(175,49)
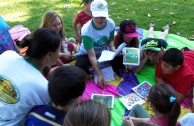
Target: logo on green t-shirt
(101,40)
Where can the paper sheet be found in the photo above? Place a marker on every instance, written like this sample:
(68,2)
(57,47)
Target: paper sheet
(109,55)
(108,74)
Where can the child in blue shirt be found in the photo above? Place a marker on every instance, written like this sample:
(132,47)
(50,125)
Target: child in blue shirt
(66,85)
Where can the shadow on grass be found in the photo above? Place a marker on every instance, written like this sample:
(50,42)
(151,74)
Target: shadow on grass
(161,11)
(36,10)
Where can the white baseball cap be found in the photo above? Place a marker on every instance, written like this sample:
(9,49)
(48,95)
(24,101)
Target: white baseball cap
(99,8)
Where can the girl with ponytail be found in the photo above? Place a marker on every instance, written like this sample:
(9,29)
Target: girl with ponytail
(166,109)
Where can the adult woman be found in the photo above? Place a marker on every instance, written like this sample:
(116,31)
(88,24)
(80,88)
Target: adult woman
(21,81)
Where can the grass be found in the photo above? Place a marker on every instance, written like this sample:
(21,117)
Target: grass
(30,12)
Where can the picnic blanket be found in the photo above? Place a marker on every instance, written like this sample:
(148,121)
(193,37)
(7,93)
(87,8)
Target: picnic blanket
(117,86)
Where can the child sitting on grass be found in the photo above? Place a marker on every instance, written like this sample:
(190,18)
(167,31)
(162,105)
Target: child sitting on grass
(162,100)
(66,86)
(176,68)
(53,21)
(127,34)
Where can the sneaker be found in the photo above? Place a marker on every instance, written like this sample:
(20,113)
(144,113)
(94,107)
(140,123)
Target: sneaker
(152,24)
(166,27)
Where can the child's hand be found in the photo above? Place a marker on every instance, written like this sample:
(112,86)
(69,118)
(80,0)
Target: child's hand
(101,82)
(144,55)
(127,121)
(127,68)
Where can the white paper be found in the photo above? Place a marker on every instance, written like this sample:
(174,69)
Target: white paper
(142,89)
(107,73)
(106,56)
(109,55)
(130,100)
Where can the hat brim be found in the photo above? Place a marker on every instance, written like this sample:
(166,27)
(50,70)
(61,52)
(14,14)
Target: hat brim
(100,13)
(131,35)
(153,49)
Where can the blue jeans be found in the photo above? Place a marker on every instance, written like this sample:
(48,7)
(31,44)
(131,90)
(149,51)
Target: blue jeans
(139,112)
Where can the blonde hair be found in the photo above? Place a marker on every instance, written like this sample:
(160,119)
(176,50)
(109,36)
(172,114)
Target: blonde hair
(88,113)
(47,20)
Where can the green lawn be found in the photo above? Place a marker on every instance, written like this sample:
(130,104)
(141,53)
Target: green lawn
(30,12)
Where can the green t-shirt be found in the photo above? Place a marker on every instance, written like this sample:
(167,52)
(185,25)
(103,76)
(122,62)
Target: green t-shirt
(96,38)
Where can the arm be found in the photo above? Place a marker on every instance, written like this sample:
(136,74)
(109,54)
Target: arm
(127,121)
(144,58)
(111,40)
(65,53)
(131,121)
(59,63)
(94,62)
(111,45)
(75,28)
(138,120)
(180,96)
(159,80)
(183,89)
(159,74)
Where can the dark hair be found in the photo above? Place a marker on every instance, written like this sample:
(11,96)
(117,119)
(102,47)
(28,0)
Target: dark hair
(173,57)
(88,113)
(85,1)
(159,96)
(40,43)
(119,40)
(130,29)
(66,83)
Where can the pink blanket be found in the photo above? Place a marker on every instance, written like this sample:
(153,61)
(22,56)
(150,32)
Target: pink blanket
(187,103)
(91,87)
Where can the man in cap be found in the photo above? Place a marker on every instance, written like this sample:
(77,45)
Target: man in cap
(97,35)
